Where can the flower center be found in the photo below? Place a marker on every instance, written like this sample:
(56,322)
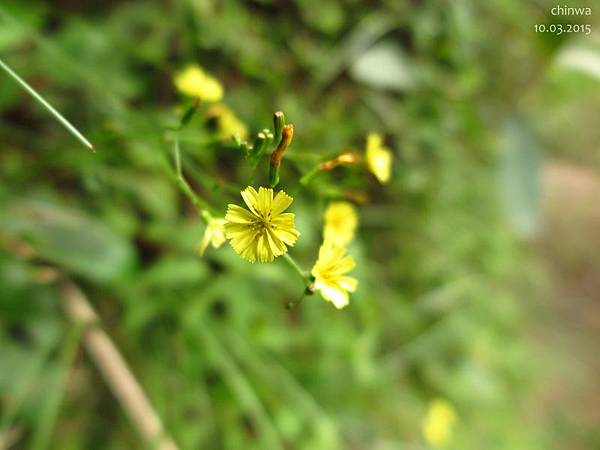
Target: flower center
(264,222)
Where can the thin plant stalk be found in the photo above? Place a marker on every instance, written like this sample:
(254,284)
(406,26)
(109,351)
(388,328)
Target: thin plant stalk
(58,116)
(198,202)
(302,273)
(113,367)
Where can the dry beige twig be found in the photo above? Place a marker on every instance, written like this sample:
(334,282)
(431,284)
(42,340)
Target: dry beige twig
(114,369)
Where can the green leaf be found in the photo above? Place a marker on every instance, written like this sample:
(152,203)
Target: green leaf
(69,238)
(11,37)
(327,17)
(176,271)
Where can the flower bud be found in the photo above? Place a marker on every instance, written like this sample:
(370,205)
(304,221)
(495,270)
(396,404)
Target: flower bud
(287,133)
(278,124)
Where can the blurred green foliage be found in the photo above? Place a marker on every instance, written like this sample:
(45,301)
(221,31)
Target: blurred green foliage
(439,311)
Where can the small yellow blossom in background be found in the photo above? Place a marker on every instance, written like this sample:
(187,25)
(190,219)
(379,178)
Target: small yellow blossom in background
(329,272)
(349,157)
(379,158)
(214,234)
(265,231)
(341,221)
(438,423)
(193,81)
(228,124)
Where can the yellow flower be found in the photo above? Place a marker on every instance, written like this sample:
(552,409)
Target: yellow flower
(214,234)
(438,423)
(193,81)
(262,233)
(340,223)
(379,158)
(227,123)
(329,272)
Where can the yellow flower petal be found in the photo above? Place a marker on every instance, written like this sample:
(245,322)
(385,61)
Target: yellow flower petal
(329,272)
(226,122)
(341,221)
(250,197)
(348,283)
(281,202)
(214,235)
(204,243)
(237,214)
(438,423)
(337,296)
(374,140)
(263,232)
(193,81)
(379,158)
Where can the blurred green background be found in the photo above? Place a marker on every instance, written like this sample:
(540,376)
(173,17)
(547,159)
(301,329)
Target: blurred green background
(477,262)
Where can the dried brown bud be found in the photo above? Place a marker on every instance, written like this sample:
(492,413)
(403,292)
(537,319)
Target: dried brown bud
(348,158)
(357,197)
(287,133)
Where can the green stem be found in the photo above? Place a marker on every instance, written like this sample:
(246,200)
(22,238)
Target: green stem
(273,176)
(293,303)
(310,175)
(307,279)
(58,116)
(196,200)
(302,273)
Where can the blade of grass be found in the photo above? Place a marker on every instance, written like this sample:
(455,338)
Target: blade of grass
(23,388)
(242,388)
(208,429)
(275,375)
(58,116)
(49,410)
(120,111)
